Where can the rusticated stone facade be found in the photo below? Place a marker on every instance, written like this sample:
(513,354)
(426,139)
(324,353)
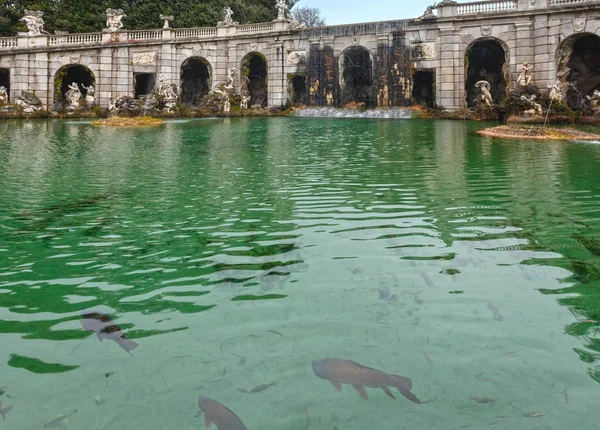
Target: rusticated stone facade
(394,63)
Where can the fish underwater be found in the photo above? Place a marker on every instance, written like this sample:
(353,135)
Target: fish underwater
(105,328)
(4,411)
(339,371)
(222,416)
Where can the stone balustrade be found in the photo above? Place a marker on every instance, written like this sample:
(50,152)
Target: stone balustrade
(135,35)
(486,7)
(566,3)
(8,42)
(255,28)
(73,39)
(194,33)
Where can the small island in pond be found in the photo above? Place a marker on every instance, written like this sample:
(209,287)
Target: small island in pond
(138,121)
(537,133)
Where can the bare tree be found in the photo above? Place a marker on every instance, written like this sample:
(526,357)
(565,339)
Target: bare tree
(308,16)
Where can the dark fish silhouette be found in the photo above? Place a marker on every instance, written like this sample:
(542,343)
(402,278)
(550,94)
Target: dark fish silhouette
(495,312)
(339,371)
(222,416)
(4,411)
(105,328)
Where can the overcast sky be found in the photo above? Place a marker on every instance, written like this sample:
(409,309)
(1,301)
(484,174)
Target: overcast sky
(352,11)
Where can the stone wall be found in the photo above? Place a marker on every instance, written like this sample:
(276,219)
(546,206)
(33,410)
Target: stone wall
(397,49)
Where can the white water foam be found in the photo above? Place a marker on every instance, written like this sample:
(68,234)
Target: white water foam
(323,112)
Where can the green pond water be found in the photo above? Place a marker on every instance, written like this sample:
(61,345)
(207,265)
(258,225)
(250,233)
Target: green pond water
(236,252)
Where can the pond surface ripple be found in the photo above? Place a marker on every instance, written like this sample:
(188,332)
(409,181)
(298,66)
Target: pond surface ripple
(236,252)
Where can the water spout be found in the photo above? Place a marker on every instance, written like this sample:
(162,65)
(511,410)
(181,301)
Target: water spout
(393,113)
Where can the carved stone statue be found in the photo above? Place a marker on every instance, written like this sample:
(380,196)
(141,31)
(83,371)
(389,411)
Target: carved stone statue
(594,100)
(226,105)
(34,22)
(329,98)
(486,95)
(3,96)
(114,19)
(231,78)
(525,78)
(170,98)
(166,19)
(556,92)
(282,9)
(73,95)
(28,102)
(536,108)
(90,96)
(227,18)
(428,14)
(245,101)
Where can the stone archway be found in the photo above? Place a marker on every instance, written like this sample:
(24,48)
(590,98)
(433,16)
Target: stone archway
(254,78)
(5,80)
(297,90)
(69,74)
(356,76)
(486,59)
(196,77)
(423,91)
(578,64)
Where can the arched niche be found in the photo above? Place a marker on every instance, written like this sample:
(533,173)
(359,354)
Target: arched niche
(356,76)
(196,76)
(69,74)
(5,80)
(254,78)
(578,64)
(486,59)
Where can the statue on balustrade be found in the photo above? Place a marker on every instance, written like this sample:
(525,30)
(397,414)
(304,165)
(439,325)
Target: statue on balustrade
(282,9)
(34,22)
(428,14)
(166,19)
(227,18)
(114,18)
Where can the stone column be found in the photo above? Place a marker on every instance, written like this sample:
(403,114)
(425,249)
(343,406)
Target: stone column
(524,52)
(544,55)
(277,79)
(122,72)
(449,80)
(39,76)
(19,79)
(167,64)
(106,80)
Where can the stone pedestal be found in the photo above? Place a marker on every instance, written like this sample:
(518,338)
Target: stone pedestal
(281,24)
(109,36)
(31,42)
(447,10)
(226,30)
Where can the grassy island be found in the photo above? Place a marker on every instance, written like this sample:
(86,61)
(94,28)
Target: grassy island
(138,121)
(537,133)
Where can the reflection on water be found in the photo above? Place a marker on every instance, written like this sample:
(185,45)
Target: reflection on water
(220,266)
